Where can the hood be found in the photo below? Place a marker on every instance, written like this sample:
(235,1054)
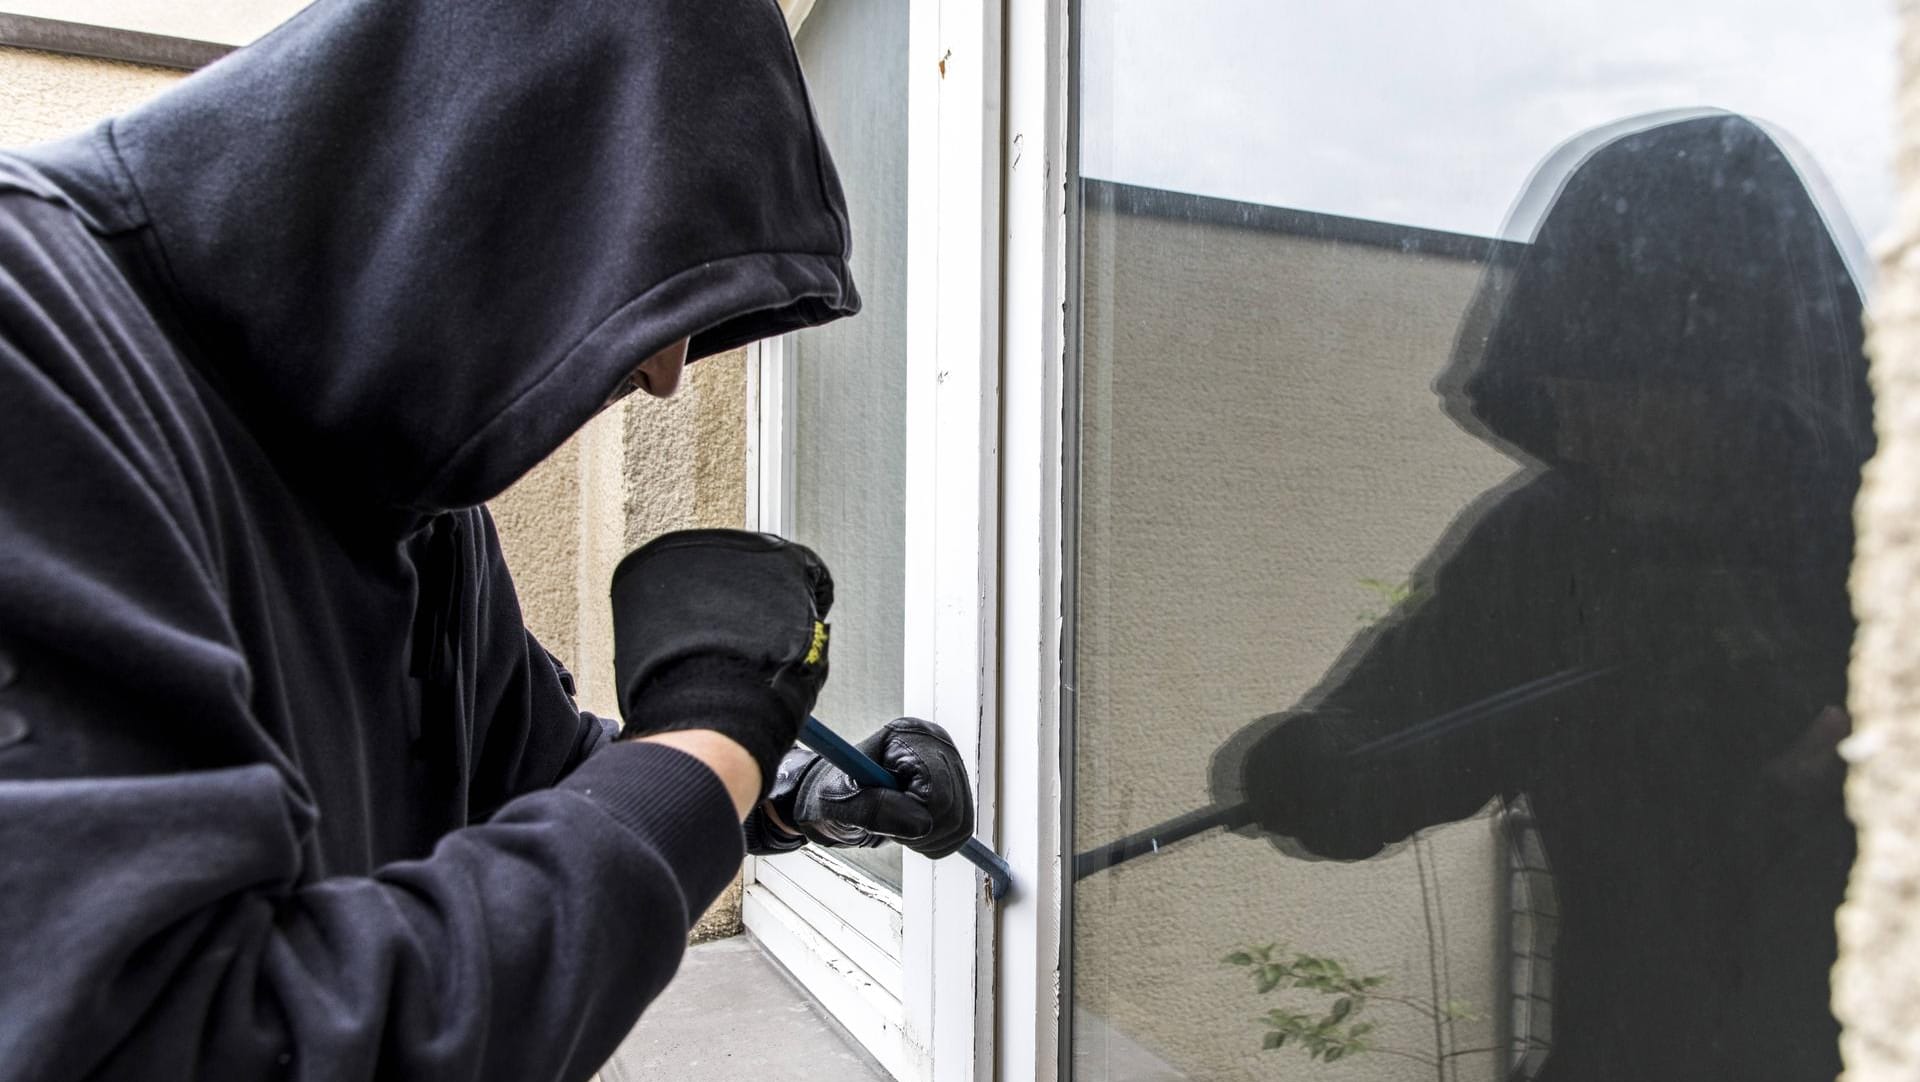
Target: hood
(415,244)
(1685,259)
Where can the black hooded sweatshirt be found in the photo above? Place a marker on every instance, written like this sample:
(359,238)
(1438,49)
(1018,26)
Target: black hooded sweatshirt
(286,788)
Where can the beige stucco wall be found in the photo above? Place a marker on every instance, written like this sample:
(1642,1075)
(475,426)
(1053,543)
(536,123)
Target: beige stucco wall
(1258,436)
(228,22)
(48,95)
(1876,992)
(685,459)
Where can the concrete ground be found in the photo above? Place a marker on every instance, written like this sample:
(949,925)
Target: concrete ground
(732,1013)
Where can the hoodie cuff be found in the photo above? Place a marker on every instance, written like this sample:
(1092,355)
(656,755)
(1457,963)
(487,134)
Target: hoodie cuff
(675,804)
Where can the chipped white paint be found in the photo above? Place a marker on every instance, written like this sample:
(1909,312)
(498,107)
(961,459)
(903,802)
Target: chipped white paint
(1032,369)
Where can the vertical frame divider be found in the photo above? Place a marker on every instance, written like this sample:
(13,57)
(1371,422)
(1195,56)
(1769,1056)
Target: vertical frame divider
(1036,176)
(953,417)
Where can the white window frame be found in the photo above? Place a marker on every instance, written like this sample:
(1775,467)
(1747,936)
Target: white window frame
(936,983)
(1038,178)
(909,975)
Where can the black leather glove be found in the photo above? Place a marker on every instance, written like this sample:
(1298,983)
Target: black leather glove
(932,814)
(721,630)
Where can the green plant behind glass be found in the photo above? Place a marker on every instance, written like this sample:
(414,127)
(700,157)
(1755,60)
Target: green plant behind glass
(1330,1026)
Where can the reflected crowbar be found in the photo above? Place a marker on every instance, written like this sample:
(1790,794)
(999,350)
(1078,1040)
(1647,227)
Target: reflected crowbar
(1235,816)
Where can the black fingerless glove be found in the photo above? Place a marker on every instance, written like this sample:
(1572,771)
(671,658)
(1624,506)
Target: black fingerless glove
(722,630)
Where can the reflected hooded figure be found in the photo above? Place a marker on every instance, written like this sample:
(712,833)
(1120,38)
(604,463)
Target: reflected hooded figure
(1677,359)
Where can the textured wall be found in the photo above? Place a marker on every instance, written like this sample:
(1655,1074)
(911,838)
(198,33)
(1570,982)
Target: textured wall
(685,459)
(1876,995)
(539,523)
(48,95)
(230,22)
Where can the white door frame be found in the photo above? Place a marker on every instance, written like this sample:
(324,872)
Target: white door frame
(1037,185)
(910,975)
(937,983)
(953,420)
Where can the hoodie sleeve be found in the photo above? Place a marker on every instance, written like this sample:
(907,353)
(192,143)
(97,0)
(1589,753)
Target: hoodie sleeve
(156,923)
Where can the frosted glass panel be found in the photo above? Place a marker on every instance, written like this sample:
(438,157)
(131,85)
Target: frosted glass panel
(849,421)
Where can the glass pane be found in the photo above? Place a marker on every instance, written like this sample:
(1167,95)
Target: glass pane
(849,488)
(1469,424)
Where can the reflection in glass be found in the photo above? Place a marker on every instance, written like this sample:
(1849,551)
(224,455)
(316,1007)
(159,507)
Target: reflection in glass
(1568,806)
(1646,634)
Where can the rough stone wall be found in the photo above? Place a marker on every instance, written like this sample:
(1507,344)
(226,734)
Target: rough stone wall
(1876,993)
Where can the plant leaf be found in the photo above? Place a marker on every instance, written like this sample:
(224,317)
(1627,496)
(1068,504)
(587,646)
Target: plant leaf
(1342,1007)
(1273,1040)
(1238,958)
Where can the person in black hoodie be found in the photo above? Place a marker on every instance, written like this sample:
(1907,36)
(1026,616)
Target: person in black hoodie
(286,788)
(1644,635)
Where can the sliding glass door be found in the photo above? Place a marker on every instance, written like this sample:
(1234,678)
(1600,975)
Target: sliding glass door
(1470,402)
